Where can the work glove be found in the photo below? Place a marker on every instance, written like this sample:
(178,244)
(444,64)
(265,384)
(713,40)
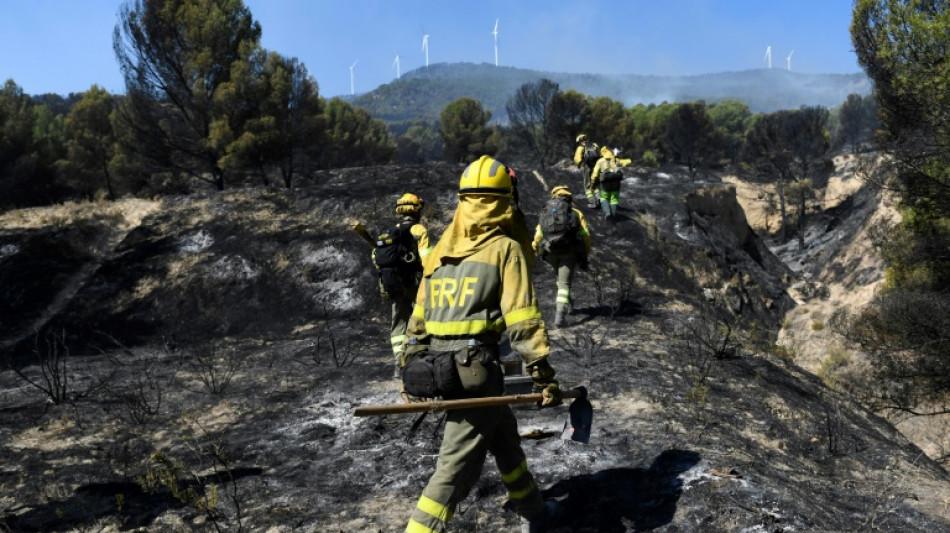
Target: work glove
(544,382)
(550,395)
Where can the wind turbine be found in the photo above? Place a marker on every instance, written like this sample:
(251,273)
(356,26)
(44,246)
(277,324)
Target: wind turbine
(768,55)
(425,46)
(788,60)
(495,33)
(396,64)
(352,82)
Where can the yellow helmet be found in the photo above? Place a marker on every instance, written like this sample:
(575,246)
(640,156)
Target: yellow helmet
(581,138)
(561,190)
(409,204)
(486,176)
(606,152)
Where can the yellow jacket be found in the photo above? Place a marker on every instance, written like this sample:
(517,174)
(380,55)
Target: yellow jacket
(421,235)
(607,163)
(480,297)
(579,153)
(583,233)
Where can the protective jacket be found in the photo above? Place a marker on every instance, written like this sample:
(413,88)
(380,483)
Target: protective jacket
(460,301)
(421,235)
(606,164)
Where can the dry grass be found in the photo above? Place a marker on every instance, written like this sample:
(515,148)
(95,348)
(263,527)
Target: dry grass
(129,212)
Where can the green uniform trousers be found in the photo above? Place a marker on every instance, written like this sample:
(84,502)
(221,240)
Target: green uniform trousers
(402,310)
(469,435)
(564,263)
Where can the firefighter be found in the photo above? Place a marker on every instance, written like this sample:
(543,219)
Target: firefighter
(564,244)
(585,157)
(409,207)
(476,285)
(608,175)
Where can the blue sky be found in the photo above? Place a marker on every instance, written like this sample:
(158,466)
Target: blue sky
(65,46)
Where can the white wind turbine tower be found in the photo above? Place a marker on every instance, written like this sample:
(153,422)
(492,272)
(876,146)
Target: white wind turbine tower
(352,80)
(396,64)
(788,60)
(495,33)
(768,55)
(425,46)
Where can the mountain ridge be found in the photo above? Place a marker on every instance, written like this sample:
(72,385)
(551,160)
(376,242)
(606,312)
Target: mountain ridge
(423,93)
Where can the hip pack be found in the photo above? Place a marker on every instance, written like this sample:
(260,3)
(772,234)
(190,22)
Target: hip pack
(467,373)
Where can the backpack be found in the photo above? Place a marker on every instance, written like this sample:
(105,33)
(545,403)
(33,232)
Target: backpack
(610,177)
(591,154)
(397,260)
(559,225)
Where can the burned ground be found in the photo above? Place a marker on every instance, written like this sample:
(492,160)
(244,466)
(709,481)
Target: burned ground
(225,340)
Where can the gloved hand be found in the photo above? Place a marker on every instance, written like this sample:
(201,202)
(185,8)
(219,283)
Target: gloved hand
(544,382)
(551,395)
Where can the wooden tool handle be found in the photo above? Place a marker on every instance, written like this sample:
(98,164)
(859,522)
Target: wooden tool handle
(358,228)
(467,403)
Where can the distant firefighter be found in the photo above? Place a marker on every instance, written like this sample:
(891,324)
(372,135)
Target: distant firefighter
(398,258)
(585,157)
(608,175)
(562,238)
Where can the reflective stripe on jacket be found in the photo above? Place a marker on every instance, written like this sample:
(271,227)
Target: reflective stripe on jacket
(480,297)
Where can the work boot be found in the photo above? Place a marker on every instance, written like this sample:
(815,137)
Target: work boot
(613,211)
(397,373)
(546,519)
(606,207)
(592,204)
(559,317)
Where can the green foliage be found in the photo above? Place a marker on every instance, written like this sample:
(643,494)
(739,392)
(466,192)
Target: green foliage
(789,149)
(417,141)
(178,58)
(533,123)
(91,142)
(648,123)
(732,116)
(608,124)
(902,46)
(571,115)
(31,139)
(837,359)
(857,121)
(649,159)
(355,138)
(692,136)
(286,132)
(465,132)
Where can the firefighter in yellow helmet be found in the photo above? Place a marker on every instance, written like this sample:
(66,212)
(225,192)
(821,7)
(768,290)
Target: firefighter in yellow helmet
(608,175)
(562,238)
(399,282)
(585,157)
(477,285)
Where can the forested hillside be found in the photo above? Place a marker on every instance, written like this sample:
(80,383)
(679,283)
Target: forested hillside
(422,93)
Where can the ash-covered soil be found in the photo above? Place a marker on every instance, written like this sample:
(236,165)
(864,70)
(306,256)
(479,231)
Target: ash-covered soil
(214,355)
